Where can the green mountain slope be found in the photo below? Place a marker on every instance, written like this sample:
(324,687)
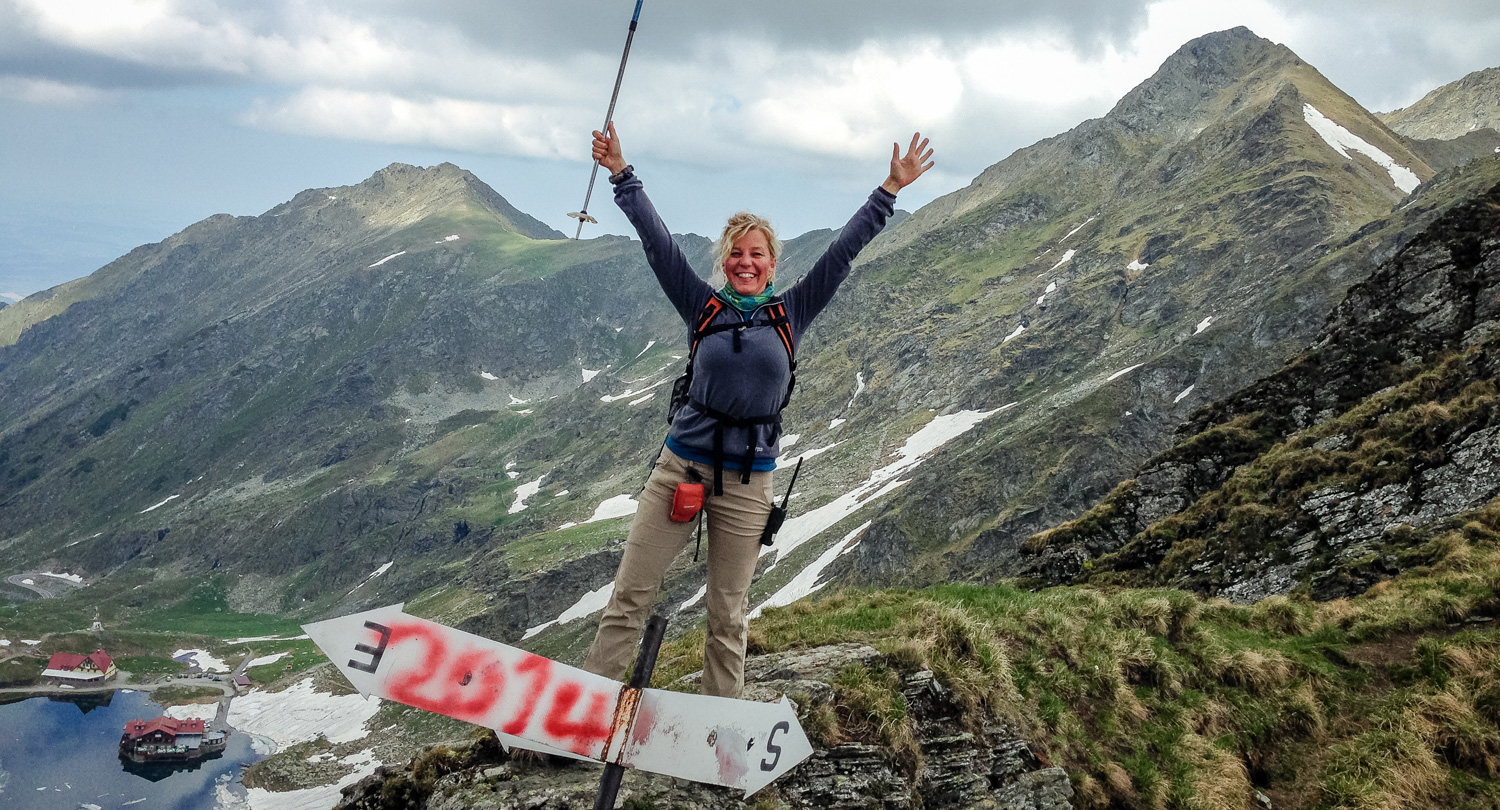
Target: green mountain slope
(1199,221)
(337,388)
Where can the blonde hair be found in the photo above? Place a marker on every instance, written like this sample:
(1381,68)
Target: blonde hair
(738,226)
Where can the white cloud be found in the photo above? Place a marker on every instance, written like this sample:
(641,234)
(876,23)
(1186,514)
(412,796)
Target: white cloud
(473,126)
(47,91)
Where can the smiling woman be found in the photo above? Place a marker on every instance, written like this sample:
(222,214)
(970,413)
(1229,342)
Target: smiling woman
(727,411)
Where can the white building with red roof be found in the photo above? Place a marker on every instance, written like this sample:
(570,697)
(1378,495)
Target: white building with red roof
(72,668)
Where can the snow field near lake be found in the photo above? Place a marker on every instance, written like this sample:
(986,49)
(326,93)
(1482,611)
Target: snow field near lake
(318,798)
(266,659)
(300,713)
(201,659)
(193,711)
(1342,140)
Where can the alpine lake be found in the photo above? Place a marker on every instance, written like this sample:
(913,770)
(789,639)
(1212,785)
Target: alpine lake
(62,753)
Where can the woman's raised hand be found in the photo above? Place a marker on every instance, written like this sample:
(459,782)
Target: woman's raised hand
(607,150)
(906,168)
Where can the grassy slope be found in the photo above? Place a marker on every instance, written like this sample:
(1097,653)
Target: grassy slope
(1158,698)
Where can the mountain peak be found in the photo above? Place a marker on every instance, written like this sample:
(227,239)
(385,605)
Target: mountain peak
(1194,75)
(402,192)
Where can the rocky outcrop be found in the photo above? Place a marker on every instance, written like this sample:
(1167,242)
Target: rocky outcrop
(1385,427)
(960,762)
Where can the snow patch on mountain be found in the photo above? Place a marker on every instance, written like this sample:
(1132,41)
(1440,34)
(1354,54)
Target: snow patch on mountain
(153,506)
(922,444)
(618,506)
(525,491)
(591,602)
(806,582)
(1076,230)
(377,572)
(1342,140)
(386,259)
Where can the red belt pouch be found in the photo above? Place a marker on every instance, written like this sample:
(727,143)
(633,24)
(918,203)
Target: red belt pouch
(687,501)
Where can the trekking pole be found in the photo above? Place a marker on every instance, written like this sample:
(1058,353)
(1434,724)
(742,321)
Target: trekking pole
(640,678)
(583,216)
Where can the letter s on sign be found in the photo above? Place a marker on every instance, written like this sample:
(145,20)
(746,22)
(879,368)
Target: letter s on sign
(375,653)
(773,748)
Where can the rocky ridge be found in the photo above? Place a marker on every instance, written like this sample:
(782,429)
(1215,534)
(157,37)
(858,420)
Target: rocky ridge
(1382,430)
(959,763)
(1453,110)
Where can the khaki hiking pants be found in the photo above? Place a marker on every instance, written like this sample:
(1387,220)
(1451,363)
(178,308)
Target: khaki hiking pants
(735,521)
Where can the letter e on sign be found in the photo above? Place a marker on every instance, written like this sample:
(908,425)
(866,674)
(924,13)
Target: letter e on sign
(376,652)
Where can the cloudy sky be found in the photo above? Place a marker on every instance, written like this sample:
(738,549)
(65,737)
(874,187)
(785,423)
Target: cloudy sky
(124,121)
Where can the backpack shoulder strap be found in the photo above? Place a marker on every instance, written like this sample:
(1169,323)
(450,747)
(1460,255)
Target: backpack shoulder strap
(783,326)
(711,308)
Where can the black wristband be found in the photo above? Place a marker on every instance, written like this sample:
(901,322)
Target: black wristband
(622,175)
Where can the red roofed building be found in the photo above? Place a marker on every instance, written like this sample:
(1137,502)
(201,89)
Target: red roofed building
(72,668)
(169,738)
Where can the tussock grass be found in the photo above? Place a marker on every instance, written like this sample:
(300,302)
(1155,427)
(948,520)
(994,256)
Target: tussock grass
(1160,698)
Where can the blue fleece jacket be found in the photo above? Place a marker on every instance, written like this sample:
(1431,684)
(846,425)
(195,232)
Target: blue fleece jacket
(750,382)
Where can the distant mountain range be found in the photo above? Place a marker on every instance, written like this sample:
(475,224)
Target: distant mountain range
(412,371)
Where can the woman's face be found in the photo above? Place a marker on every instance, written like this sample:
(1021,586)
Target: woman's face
(749,264)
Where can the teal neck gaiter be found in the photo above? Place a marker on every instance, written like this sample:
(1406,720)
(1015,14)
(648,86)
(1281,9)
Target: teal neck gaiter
(747,303)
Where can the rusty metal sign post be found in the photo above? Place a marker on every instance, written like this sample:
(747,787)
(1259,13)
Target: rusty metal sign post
(640,678)
(541,705)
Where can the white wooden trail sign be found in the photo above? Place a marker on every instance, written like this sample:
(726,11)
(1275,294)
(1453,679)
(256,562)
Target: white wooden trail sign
(539,704)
